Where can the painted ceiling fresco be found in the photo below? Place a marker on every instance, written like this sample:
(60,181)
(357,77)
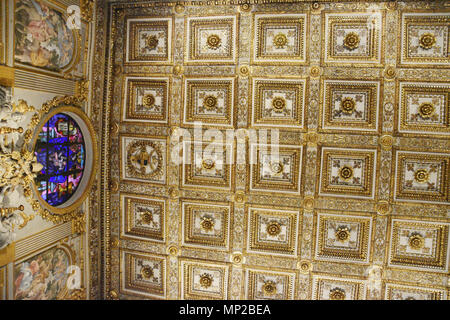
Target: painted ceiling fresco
(356,206)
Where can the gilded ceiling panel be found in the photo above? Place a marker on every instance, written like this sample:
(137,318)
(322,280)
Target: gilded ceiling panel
(354,100)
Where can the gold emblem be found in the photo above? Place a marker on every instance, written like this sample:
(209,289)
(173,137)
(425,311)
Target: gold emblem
(427,41)
(348,105)
(206,280)
(244,71)
(236,258)
(351,41)
(148,100)
(337,294)
(173,250)
(276,167)
(421,175)
(147,272)
(314,71)
(346,173)
(308,202)
(280,40)
(213,41)
(151,42)
(426,110)
(383,207)
(269,287)
(416,241)
(273,228)
(239,197)
(278,104)
(245,7)
(342,234)
(144,159)
(147,217)
(179,8)
(210,102)
(177,69)
(304,266)
(390,72)
(386,142)
(207,224)
(208,164)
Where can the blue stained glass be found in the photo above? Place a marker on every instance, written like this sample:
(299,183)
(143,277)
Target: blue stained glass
(60,149)
(57,159)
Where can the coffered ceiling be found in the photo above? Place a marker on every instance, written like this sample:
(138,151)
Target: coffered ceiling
(356,206)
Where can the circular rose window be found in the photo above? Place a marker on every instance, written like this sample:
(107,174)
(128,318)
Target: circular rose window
(64,148)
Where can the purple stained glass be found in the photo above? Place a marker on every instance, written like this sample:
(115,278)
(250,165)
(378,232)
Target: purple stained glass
(60,149)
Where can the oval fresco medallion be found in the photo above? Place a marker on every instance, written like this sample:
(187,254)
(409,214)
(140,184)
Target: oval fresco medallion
(42,37)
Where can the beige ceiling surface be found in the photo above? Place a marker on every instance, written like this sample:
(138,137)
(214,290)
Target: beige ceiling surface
(357,204)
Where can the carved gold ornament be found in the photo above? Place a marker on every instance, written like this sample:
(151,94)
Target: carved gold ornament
(269,287)
(351,41)
(140,158)
(115,242)
(237,258)
(278,104)
(390,72)
(416,241)
(348,105)
(174,192)
(207,224)
(172,250)
(308,202)
(427,41)
(305,266)
(337,294)
(208,164)
(239,197)
(346,173)
(113,295)
(210,102)
(148,100)
(280,40)
(244,71)
(147,217)
(315,6)
(315,71)
(383,207)
(426,110)
(147,272)
(386,142)
(421,176)
(273,228)
(245,7)
(213,41)
(276,167)
(177,69)
(342,234)
(179,8)
(206,280)
(151,42)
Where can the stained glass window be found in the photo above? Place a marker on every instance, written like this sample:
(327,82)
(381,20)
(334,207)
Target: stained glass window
(61,150)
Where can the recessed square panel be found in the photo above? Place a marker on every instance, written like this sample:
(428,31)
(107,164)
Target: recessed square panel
(146,100)
(204,281)
(419,245)
(144,274)
(207,165)
(272,231)
(402,292)
(425,38)
(422,177)
(206,224)
(278,103)
(269,285)
(352,37)
(143,159)
(331,288)
(275,168)
(143,217)
(211,39)
(279,38)
(347,172)
(424,108)
(209,101)
(149,40)
(350,105)
(343,237)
